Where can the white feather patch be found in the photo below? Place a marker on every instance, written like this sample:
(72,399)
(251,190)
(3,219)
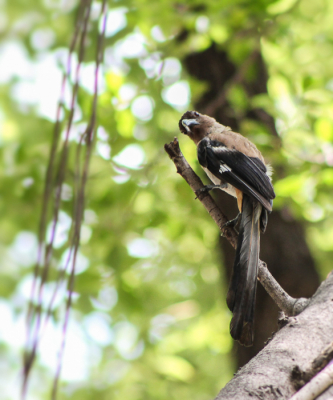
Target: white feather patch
(221,148)
(224,168)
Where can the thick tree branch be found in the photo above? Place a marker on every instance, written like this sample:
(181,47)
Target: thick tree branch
(286,303)
(270,375)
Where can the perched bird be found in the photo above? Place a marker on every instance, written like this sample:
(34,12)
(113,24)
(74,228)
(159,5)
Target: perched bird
(235,165)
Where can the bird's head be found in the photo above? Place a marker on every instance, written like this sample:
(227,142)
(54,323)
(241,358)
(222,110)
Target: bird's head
(196,125)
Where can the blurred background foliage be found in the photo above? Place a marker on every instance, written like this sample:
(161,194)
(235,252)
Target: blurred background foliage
(149,318)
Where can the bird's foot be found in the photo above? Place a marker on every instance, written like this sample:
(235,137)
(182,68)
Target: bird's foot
(233,222)
(208,188)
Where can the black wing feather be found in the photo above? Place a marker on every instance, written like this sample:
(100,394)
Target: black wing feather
(259,163)
(247,174)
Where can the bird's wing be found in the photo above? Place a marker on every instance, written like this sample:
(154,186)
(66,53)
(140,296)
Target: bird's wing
(247,174)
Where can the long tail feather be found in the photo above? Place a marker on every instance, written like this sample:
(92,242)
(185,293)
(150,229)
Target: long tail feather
(242,291)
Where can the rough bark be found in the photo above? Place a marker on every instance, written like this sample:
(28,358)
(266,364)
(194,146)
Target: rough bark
(269,374)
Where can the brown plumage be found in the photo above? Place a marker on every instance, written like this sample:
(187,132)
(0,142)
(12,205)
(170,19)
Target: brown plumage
(208,126)
(235,165)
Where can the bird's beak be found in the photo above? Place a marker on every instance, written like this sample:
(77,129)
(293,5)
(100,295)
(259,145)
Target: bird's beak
(187,123)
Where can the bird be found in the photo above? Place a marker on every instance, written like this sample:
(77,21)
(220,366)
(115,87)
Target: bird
(234,164)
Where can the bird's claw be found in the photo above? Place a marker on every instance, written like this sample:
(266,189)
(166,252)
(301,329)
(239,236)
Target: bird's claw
(208,188)
(233,222)
(204,189)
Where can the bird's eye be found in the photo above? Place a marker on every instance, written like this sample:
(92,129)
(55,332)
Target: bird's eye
(196,114)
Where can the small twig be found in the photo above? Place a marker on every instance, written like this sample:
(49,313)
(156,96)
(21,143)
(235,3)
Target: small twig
(289,305)
(286,303)
(317,385)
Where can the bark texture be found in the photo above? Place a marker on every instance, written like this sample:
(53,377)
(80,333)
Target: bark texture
(269,374)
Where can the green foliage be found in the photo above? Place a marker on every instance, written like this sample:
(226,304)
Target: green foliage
(152,279)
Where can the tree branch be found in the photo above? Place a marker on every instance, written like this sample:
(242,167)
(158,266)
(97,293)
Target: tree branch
(286,303)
